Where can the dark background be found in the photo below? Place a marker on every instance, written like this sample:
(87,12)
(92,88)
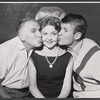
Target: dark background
(12,13)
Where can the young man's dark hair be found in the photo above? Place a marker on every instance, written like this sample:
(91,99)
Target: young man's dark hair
(79,21)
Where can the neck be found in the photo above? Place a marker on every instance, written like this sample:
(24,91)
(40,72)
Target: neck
(74,44)
(50,52)
(28,46)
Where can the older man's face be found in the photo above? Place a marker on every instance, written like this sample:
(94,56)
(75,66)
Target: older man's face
(32,34)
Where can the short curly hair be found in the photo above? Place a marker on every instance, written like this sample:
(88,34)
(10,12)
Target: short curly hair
(54,21)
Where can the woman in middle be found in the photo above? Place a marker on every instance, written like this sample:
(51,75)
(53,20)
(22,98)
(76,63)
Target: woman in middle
(50,74)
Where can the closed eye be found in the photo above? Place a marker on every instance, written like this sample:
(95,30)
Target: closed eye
(44,33)
(66,30)
(54,33)
(33,30)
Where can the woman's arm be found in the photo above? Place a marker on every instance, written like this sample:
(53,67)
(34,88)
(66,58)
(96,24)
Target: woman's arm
(66,88)
(32,81)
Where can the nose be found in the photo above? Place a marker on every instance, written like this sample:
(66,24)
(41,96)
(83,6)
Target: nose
(39,34)
(60,33)
(49,37)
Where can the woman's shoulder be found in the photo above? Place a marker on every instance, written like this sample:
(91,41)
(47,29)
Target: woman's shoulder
(63,52)
(36,54)
(39,52)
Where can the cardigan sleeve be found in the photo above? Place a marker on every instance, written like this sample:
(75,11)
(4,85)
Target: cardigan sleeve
(95,63)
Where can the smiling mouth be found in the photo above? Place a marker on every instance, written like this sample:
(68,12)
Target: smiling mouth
(49,42)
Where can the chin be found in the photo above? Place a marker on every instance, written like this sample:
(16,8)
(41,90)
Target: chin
(61,43)
(39,45)
(49,47)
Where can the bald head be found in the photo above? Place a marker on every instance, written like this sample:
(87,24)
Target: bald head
(22,23)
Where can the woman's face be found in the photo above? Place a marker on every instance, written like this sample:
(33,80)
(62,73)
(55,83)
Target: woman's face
(49,36)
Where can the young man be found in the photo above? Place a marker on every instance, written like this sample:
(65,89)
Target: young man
(86,54)
(14,56)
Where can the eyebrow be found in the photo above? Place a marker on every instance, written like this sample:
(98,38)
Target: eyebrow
(34,29)
(65,28)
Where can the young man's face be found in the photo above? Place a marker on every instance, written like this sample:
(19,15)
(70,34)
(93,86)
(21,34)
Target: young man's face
(31,33)
(67,34)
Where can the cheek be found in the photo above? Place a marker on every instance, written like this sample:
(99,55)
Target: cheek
(69,38)
(55,37)
(43,38)
(27,37)
(31,38)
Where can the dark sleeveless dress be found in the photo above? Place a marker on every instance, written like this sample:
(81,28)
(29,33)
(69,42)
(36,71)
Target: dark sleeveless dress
(50,80)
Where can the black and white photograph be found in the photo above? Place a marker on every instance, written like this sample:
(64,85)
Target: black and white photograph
(50,50)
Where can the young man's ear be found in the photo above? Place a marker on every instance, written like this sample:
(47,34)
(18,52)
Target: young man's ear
(22,37)
(78,35)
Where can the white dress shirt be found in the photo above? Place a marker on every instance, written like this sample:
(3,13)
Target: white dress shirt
(13,64)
